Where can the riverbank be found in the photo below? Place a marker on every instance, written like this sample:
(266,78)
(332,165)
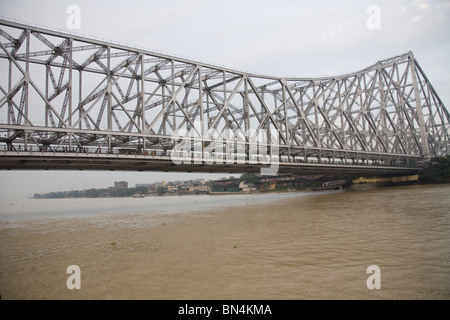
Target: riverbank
(313,246)
(437,172)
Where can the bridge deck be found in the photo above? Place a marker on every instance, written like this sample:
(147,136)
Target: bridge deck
(28,160)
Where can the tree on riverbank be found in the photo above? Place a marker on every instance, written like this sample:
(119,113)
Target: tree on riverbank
(437,171)
(92,193)
(248,177)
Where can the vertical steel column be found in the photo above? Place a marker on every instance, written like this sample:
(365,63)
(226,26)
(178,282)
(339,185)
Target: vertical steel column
(26,88)
(225,101)
(200,105)
(10,107)
(173,105)
(383,115)
(341,116)
(70,88)
(246,121)
(286,120)
(365,132)
(277,120)
(164,119)
(246,109)
(80,94)
(316,117)
(109,101)
(208,115)
(144,140)
(304,127)
(419,111)
(47,67)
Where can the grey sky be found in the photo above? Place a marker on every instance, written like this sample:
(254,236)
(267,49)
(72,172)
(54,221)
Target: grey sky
(275,37)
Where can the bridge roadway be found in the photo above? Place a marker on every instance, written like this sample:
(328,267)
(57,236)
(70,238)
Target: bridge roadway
(35,160)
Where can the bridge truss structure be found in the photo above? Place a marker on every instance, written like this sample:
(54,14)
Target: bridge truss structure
(65,97)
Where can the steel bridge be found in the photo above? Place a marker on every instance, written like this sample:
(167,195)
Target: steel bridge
(72,102)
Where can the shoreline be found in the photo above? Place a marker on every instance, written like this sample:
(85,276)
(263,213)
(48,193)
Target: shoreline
(213,193)
(263,191)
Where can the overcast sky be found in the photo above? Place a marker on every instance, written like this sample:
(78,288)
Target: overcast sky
(275,37)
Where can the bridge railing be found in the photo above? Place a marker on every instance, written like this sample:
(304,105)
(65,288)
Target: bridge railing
(357,159)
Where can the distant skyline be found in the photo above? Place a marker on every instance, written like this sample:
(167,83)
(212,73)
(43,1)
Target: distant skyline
(26,183)
(275,37)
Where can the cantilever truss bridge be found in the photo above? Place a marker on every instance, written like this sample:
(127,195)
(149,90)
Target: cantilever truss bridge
(72,102)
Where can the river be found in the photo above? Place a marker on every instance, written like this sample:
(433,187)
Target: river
(295,245)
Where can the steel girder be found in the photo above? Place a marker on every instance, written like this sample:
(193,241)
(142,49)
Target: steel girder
(62,91)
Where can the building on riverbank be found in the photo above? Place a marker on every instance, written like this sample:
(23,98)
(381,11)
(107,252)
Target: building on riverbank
(225,185)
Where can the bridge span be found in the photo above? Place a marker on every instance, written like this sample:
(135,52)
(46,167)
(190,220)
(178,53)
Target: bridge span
(70,102)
